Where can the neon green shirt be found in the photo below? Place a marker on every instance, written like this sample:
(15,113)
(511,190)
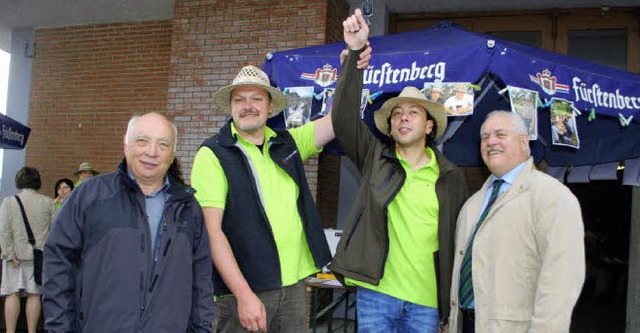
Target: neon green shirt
(279,194)
(409,273)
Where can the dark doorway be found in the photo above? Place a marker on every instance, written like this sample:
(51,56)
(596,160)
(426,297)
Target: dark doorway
(606,211)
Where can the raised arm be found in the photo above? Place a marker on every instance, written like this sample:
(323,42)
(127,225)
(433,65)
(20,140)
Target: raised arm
(352,134)
(356,33)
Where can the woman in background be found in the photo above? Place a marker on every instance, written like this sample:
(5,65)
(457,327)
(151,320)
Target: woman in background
(17,254)
(61,191)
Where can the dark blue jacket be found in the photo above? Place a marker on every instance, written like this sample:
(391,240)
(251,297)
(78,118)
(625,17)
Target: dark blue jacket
(245,222)
(99,275)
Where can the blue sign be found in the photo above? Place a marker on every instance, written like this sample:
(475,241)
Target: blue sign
(14,135)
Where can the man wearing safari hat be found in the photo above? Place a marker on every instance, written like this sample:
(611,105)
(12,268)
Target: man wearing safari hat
(398,241)
(85,171)
(264,229)
(436,94)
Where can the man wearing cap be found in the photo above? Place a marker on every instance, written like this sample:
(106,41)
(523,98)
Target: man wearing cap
(397,244)
(264,229)
(519,264)
(461,103)
(85,171)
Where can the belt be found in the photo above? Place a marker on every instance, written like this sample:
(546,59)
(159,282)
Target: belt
(468,314)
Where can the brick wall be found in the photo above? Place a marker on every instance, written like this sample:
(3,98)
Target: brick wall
(87,82)
(212,40)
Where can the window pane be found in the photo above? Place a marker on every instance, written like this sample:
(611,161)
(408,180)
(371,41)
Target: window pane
(590,44)
(530,38)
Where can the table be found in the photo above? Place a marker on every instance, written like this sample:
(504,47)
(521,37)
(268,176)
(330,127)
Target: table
(316,284)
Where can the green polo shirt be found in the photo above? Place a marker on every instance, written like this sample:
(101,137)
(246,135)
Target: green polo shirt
(409,273)
(278,193)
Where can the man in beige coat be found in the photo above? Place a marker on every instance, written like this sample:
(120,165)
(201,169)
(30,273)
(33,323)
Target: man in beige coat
(526,266)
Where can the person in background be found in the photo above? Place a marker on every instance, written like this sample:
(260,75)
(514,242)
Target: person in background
(61,190)
(520,260)
(436,94)
(17,253)
(397,244)
(129,251)
(84,172)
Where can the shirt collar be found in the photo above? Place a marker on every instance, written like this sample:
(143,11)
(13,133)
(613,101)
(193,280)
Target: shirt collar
(268,133)
(512,174)
(163,189)
(433,164)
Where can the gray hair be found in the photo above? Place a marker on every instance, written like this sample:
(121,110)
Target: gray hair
(135,118)
(516,119)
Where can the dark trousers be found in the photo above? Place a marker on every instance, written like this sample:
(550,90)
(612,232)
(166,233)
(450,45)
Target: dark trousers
(286,310)
(468,320)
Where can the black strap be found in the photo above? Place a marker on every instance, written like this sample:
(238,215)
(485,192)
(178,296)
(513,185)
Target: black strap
(32,240)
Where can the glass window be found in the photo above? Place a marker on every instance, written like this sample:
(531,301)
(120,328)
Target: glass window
(590,44)
(529,38)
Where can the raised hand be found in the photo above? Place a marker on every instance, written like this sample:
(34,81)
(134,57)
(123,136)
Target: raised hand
(356,30)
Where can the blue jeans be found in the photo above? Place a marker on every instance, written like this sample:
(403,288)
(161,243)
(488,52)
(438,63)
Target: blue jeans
(380,313)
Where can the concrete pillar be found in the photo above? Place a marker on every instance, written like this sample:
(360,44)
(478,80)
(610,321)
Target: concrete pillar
(5,39)
(633,290)
(18,96)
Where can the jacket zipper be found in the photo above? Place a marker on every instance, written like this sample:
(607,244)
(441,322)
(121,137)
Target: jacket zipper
(386,212)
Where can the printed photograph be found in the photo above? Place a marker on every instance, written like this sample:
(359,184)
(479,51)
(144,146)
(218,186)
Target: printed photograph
(525,103)
(299,111)
(364,101)
(457,97)
(327,101)
(564,131)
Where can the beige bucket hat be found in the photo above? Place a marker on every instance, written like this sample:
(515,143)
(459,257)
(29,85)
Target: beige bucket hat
(251,76)
(413,95)
(86,166)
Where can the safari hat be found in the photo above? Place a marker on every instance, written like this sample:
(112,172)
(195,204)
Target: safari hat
(460,87)
(413,95)
(436,89)
(251,76)
(86,166)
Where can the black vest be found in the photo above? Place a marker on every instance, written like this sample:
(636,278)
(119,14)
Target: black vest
(245,221)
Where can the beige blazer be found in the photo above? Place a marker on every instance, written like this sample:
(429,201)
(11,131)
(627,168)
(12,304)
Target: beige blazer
(528,257)
(13,235)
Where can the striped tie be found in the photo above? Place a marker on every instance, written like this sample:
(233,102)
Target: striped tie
(465,294)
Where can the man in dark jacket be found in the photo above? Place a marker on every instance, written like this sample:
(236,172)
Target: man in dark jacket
(397,245)
(266,235)
(129,251)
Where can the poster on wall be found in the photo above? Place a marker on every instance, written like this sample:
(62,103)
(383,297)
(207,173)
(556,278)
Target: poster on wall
(564,131)
(299,111)
(525,103)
